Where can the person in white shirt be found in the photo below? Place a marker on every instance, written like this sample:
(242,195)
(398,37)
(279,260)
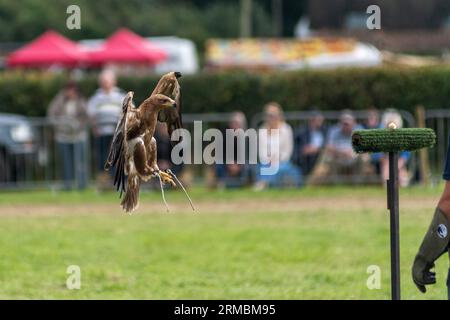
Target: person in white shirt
(276,144)
(104,110)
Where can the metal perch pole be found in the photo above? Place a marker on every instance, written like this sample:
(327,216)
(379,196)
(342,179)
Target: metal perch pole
(393,207)
(448,284)
(393,141)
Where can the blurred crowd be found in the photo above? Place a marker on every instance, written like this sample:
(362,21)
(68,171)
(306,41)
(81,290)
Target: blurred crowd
(314,153)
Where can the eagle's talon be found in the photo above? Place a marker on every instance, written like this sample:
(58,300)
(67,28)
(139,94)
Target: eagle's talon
(166,178)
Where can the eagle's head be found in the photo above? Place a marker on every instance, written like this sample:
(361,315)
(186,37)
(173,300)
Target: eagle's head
(161,101)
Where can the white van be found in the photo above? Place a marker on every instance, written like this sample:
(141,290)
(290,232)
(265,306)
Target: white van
(182,55)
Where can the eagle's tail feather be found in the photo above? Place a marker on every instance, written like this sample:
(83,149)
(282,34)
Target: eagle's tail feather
(131,199)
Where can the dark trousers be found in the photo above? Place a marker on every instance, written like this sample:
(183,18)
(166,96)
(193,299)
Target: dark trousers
(74,165)
(229,181)
(446,174)
(102,144)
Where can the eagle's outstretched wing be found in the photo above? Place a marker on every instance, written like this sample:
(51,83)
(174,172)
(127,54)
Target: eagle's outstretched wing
(169,86)
(116,156)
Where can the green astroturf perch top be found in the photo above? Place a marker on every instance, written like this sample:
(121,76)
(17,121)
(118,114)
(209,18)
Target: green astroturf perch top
(392,140)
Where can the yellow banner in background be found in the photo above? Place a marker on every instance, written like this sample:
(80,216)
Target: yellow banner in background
(272,51)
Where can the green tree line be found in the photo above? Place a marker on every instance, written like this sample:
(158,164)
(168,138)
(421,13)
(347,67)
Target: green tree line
(198,20)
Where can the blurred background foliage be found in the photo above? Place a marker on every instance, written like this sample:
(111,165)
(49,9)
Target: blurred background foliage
(197,19)
(385,87)
(29,93)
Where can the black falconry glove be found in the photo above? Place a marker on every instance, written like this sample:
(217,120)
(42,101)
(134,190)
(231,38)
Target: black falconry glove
(434,244)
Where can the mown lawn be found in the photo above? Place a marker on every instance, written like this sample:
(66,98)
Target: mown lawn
(239,245)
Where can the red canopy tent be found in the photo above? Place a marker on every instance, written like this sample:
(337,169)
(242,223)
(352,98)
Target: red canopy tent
(50,48)
(125,46)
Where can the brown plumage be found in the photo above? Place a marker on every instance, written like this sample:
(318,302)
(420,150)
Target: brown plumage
(169,86)
(133,148)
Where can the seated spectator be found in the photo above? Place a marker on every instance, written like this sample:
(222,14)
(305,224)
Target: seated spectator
(339,142)
(309,143)
(403,175)
(373,119)
(105,109)
(68,113)
(234,174)
(338,160)
(275,150)
(373,122)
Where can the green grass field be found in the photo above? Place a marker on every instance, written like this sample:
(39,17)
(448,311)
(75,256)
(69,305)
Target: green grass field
(314,243)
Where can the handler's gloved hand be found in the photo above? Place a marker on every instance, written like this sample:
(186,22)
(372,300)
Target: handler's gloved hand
(422,274)
(434,244)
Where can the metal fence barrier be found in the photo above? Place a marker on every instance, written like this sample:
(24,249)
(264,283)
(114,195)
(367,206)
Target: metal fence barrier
(300,118)
(34,161)
(40,165)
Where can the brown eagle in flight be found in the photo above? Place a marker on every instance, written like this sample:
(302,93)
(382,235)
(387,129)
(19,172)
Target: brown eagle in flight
(133,147)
